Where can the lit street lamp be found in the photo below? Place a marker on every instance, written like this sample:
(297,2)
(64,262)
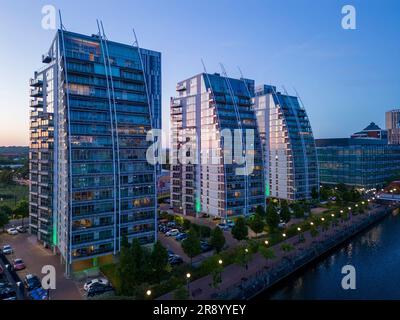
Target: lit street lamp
(148,293)
(188,275)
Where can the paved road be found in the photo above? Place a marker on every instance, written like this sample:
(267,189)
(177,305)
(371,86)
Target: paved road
(35,257)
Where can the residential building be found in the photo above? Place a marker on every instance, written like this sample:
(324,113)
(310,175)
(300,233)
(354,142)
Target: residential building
(393,126)
(290,158)
(91,184)
(206,176)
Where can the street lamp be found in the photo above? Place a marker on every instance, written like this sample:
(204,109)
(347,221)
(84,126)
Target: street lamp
(356,205)
(220,262)
(284,235)
(322,219)
(298,229)
(332,215)
(246,250)
(266,242)
(349,208)
(311,223)
(148,293)
(188,275)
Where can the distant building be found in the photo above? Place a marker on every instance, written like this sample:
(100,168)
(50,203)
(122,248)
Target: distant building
(204,106)
(393,126)
(93,102)
(363,163)
(290,158)
(372,131)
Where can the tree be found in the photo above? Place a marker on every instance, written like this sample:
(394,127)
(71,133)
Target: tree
(285,211)
(242,257)
(272,217)
(260,210)
(217,239)
(140,266)
(191,245)
(125,276)
(267,253)
(298,211)
(286,247)
(158,261)
(4,220)
(6,176)
(314,193)
(181,293)
(313,231)
(186,224)
(257,224)
(22,210)
(239,230)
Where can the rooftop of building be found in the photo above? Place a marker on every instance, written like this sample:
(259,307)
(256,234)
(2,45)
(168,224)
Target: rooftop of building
(347,142)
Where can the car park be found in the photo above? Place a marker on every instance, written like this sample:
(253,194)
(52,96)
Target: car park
(205,246)
(18,264)
(172,233)
(97,289)
(32,282)
(7,249)
(7,293)
(21,229)
(181,236)
(223,226)
(12,231)
(97,281)
(38,294)
(230,223)
(175,260)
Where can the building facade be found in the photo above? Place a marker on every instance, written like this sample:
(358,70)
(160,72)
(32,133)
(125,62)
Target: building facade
(393,126)
(93,104)
(372,131)
(205,175)
(290,158)
(362,163)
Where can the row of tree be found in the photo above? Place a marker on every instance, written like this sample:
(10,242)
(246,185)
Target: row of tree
(21,211)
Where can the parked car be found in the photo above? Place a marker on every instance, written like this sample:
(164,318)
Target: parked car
(174,260)
(282,225)
(181,236)
(38,294)
(171,224)
(99,281)
(205,246)
(230,223)
(7,249)
(12,231)
(21,229)
(32,282)
(18,264)
(97,289)
(172,233)
(223,226)
(7,293)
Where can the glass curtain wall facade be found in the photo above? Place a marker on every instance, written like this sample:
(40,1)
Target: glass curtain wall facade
(103,185)
(208,107)
(288,144)
(357,162)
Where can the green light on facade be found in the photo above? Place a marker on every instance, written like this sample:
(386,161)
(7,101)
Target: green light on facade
(267,190)
(54,234)
(198,206)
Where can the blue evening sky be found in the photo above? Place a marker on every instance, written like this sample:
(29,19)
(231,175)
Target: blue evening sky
(346,78)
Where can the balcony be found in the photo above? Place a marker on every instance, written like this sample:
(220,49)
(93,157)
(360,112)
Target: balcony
(35,82)
(36,103)
(176,103)
(36,93)
(180,87)
(46,58)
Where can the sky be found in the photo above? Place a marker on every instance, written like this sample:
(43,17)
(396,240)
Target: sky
(346,78)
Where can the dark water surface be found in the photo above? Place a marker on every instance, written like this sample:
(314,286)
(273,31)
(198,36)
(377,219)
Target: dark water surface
(375,254)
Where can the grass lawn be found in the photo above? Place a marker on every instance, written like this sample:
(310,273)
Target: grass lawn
(10,194)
